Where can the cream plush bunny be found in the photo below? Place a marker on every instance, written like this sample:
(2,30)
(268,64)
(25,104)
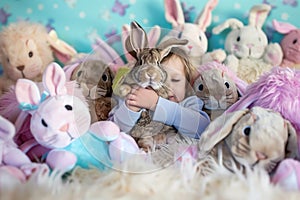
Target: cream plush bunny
(249,54)
(257,137)
(197,44)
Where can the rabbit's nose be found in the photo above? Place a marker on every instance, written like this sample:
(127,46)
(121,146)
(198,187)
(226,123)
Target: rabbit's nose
(151,73)
(261,156)
(21,67)
(64,128)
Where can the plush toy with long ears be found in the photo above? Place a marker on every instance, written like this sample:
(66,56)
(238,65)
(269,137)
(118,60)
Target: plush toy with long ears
(248,53)
(197,45)
(12,159)
(61,122)
(26,49)
(290,44)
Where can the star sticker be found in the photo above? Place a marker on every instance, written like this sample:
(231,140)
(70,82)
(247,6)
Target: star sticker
(119,8)
(4,16)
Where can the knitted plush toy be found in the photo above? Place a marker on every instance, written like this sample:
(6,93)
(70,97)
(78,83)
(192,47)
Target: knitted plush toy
(249,54)
(26,48)
(290,44)
(61,122)
(12,160)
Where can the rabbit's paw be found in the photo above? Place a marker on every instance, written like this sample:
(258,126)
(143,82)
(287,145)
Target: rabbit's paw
(147,144)
(125,90)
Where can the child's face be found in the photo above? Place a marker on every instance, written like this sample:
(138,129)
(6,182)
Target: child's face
(176,78)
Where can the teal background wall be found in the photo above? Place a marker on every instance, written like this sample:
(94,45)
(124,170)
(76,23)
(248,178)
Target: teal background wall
(78,22)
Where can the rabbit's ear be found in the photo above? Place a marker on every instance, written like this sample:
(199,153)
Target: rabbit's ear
(7,129)
(258,15)
(229,23)
(153,36)
(204,19)
(291,149)
(283,27)
(174,13)
(166,45)
(218,129)
(27,92)
(54,80)
(138,37)
(125,35)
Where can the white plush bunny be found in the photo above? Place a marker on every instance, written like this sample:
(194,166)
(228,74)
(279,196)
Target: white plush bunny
(249,54)
(193,32)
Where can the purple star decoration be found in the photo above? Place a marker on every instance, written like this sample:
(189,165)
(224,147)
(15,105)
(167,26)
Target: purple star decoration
(4,16)
(119,8)
(112,37)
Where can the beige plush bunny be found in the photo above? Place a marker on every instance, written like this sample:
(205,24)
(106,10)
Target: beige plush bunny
(147,72)
(249,54)
(255,138)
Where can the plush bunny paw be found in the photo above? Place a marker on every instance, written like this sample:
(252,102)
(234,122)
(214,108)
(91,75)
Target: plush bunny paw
(61,160)
(273,54)
(29,169)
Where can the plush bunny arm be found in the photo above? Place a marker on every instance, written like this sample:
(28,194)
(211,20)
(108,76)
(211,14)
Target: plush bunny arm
(61,160)
(15,157)
(273,54)
(232,62)
(105,130)
(218,55)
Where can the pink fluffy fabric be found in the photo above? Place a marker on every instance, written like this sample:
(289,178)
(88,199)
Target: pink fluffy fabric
(279,90)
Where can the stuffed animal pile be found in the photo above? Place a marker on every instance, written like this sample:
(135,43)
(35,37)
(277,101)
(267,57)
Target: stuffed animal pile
(57,117)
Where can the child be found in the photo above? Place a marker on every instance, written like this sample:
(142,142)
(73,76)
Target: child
(182,109)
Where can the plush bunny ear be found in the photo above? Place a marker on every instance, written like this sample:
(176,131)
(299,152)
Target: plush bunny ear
(292,150)
(229,23)
(138,37)
(54,80)
(174,13)
(63,51)
(258,14)
(27,93)
(218,129)
(166,45)
(282,27)
(204,19)
(7,129)
(245,101)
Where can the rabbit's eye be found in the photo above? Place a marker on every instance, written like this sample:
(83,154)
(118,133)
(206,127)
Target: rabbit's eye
(7,60)
(179,34)
(226,84)
(30,54)
(44,123)
(104,77)
(68,107)
(79,73)
(238,38)
(295,41)
(247,130)
(200,87)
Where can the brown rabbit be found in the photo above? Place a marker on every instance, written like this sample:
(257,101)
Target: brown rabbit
(255,138)
(147,72)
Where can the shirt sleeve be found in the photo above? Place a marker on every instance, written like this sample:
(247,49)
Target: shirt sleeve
(187,116)
(124,117)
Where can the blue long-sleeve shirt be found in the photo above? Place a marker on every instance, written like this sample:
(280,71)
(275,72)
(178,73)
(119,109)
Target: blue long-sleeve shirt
(187,116)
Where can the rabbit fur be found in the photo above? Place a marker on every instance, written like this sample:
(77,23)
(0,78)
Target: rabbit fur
(249,54)
(290,44)
(255,137)
(61,122)
(218,87)
(147,72)
(197,45)
(26,48)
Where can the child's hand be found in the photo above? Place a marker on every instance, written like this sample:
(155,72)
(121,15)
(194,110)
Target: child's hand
(142,98)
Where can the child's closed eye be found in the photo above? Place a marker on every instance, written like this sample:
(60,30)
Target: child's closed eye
(175,80)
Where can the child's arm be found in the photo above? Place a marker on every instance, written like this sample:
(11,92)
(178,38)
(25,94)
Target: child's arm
(187,116)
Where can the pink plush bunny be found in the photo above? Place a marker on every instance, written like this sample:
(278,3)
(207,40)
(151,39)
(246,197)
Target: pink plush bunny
(12,159)
(61,122)
(193,32)
(290,44)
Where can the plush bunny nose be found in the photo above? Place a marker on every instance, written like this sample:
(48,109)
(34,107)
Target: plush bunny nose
(261,156)
(190,47)
(250,45)
(21,67)
(64,128)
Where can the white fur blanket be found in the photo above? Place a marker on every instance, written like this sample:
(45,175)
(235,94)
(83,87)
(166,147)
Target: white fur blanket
(138,179)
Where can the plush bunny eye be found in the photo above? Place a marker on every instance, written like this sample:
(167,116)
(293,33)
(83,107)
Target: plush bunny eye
(200,37)
(30,54)
(226,84)
(295,41)
(7,60)
(200,87)
(179,34)
(44,123)
(104,77)
(259,39)
(247,130)
(238,38)
(68,107)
